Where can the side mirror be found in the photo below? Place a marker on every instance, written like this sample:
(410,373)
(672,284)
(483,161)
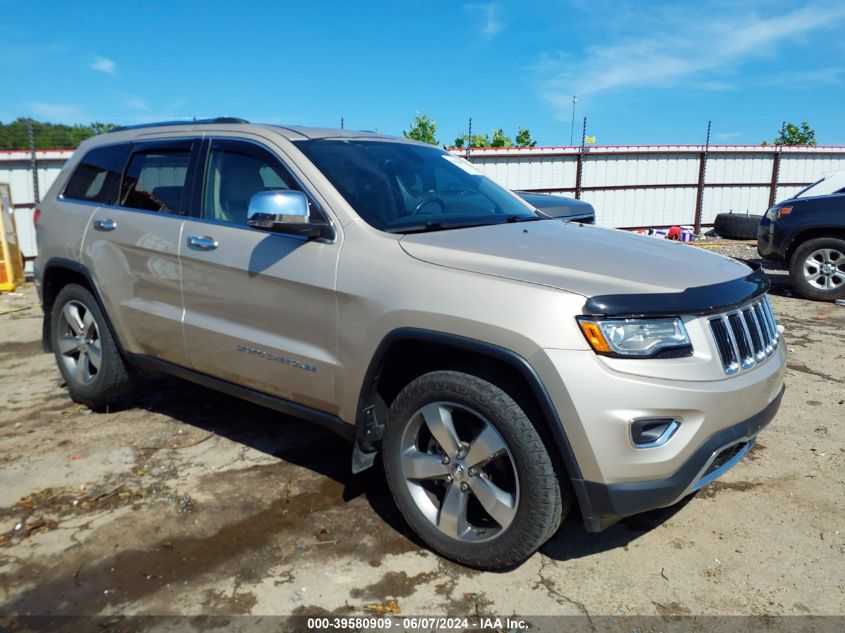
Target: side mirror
(283,211)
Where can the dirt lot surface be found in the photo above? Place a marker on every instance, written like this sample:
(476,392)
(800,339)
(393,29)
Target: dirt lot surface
(184,501)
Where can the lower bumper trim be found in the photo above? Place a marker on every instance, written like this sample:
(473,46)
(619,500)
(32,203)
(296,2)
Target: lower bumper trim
(602,505)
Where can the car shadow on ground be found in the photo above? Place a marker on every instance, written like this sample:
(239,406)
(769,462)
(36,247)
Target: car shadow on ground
(572,541)
(287,438)
(321,451)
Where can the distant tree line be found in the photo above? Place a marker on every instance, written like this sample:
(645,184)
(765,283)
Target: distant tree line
(15,135)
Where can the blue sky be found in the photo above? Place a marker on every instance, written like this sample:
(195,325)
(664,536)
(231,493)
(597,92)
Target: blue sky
(645,72)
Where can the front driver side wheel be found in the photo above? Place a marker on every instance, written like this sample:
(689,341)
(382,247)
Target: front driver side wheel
(469,471)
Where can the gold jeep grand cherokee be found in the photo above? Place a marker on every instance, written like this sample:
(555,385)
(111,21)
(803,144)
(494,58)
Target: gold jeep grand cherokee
(502,364)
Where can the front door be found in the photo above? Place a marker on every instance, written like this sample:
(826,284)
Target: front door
(260,307)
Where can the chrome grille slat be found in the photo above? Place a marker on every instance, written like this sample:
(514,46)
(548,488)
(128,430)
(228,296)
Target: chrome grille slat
(745,337)
(748,352)
(764,329)
(770,319)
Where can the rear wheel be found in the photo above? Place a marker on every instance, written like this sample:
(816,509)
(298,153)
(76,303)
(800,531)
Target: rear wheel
(817,269)
(85,351)
(469,471)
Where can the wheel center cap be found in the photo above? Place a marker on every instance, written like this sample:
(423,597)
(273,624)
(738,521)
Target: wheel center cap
(458,472)
(827,269)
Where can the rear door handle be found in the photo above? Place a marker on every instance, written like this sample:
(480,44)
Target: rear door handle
(203,243)
(105,225)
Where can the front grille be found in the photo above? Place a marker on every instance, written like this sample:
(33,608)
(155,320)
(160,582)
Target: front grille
(746,336)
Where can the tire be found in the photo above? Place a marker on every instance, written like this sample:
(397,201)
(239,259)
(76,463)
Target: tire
(737,226)
(817,269)
(77,330)
(521,475)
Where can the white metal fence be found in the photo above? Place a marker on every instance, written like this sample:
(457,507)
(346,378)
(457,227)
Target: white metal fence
(16,170)
(661,185)
(646,185)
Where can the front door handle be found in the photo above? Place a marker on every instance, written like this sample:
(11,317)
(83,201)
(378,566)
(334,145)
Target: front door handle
(105,225)
(203,243)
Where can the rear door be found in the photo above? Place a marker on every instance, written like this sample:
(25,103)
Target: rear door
(132,247)
(260,307)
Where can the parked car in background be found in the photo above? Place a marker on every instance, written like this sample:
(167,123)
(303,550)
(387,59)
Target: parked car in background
(808,233)
(560,207)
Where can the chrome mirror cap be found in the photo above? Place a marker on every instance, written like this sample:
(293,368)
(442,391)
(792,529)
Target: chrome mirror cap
(268,208)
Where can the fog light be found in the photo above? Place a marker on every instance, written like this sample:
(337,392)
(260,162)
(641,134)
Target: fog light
(653,432)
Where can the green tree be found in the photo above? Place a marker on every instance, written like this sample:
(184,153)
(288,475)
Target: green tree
(524,138)
(15,135)
(500,140)
(477,140)
(792,134)
(423,129)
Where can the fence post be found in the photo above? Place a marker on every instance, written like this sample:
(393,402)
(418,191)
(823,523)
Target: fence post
(469,138)
(33,163)
(580,164)
(702,172)
(773,188)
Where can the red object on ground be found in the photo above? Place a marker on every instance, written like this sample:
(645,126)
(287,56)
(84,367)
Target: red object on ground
(674,233)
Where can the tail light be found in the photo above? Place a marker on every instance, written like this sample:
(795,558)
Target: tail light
(36,216)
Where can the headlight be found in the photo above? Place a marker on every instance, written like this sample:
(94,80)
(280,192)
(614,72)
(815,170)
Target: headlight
(639,338)
(776,213)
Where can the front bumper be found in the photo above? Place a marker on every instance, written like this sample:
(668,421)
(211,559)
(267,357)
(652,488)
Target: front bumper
(597,404)
(770,241)
(602,505)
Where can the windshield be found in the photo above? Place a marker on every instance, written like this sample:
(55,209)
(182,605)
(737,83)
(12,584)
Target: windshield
(406,188)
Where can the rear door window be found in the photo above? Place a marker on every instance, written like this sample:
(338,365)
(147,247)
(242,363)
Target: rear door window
(97,178)
(157,179)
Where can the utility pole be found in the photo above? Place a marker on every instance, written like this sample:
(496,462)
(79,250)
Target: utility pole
(341,123)
(33,163)
(572,127)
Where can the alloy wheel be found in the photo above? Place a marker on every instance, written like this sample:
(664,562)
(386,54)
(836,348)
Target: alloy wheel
(459,471)
(79,342)
(825,269)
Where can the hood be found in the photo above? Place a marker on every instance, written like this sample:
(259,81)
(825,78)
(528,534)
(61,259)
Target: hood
(584,259)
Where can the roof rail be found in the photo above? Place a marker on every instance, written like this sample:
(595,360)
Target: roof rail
(220,119)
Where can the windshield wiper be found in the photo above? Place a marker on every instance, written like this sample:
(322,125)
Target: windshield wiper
(522,218)
(435,226)
(445,226)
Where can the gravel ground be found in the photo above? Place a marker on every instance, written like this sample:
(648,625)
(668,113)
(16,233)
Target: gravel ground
(184,501)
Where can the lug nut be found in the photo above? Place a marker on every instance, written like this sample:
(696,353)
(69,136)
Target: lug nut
(461,453)
(473,471)
(449,478)
(464,486)
(445,459)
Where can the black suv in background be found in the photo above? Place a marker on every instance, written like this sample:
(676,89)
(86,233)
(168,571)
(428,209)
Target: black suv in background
(809,235)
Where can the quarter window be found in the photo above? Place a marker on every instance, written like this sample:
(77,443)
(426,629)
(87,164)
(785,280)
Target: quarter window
(155,180)
(97,178)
